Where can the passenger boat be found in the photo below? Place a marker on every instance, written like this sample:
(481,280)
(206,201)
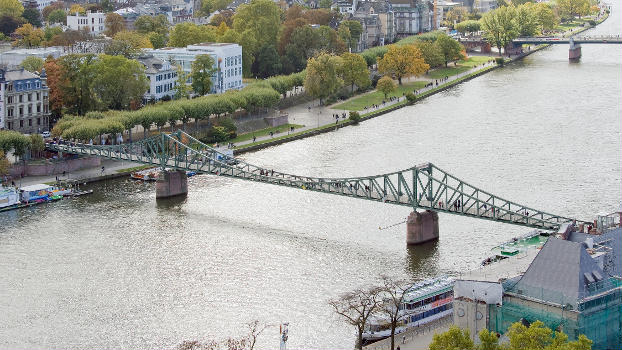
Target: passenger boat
(9,197)
(13,198)
(424,302)
(151,174)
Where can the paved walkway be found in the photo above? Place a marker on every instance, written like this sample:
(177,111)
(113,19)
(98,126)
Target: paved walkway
(312,115)
(418,338)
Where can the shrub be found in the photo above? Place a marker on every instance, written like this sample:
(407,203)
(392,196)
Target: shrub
(500,61)
(331,99)
(411,97)
(592,22)
(355,116)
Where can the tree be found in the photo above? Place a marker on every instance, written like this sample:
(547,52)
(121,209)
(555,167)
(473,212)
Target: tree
(76,83)
(37,145)
(4,164)
(118,81)
(356,307)
(128,44)
(114,23)
(455,15)
(32,16)
(12,8)
(488,340)
(330,41)
(500,26)
(356,29)
(157,40)
(148,24)
(385,85)
(392,293)
(449,48)
(431,52)
(57,5)
(268,62)
(258,23)
(75,8)
(187,33)
(354,71)
(402,61)
(326,4)
(54,76)
(547,20)
(569,9)
(29,36)
(322,78)
(203,68)
(209,6)
(453,339)
(182,90)
(526,20)
(9,24)
(224,16)
(468,26)
(57,16)
(32,64)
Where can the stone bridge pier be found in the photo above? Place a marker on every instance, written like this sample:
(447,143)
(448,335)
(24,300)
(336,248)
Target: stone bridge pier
(171,183)
(421,227)
(574,52)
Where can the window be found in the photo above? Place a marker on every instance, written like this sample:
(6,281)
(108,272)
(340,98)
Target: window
(21,111)
(9,125)
(38,96)
(21,123)
(29,109)
(9,87)
(29,97)
(9,112)
(21,99)
(29,122)
(9,99)
(38,108)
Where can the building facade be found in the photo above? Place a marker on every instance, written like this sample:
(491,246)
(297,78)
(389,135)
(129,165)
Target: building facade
(93,22)
(162,78)
(24,101)
(227,61)
(412,17)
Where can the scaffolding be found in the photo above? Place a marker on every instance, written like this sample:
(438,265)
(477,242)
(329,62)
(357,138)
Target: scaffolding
(597,314)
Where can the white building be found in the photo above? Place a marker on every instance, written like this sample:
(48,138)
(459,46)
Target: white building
(162,78)
(227,58)
(92,22)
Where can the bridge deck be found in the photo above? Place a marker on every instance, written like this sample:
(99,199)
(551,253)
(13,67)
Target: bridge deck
(425,186)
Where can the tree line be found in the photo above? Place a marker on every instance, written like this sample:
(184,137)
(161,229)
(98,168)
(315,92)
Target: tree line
(18,144)
(255,97)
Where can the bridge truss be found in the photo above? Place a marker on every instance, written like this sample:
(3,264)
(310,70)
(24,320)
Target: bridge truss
(423,186)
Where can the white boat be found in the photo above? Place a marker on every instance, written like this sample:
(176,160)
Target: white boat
(424,302)
(8,196)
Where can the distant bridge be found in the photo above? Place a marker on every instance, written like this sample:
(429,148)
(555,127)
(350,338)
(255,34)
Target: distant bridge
(424,186)
(600,39)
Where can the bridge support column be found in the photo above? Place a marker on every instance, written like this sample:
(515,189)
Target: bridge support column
(421,227)
(574,52)
(171,183)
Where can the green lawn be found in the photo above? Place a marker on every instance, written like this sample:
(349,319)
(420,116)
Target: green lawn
(463,66)
(376,97)
(262,132)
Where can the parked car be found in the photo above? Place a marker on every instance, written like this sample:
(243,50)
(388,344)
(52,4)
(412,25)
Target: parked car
(46,134)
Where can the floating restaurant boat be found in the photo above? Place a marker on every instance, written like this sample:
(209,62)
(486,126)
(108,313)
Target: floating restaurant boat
(13,198)
(424,302)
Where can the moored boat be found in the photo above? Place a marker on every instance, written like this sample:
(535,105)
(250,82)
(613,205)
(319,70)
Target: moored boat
(424,302)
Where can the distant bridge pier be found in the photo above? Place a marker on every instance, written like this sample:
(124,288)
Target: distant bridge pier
(421,227)
(171,183)
(574,52)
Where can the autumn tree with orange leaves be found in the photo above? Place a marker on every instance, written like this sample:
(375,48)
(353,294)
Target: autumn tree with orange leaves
(402,61)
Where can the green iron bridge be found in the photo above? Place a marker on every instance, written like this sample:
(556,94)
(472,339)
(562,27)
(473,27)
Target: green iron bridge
(423,186)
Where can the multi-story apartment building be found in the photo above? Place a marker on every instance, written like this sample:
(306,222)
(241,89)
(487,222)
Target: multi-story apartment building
(93,22)
(227,61)
(412,16)
(24,102)
(162,78)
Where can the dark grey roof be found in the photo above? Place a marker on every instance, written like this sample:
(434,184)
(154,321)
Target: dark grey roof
(612,241)
(379,6)
(559,273)
(19,74)
(152,64)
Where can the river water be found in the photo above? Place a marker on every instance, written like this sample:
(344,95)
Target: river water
(116,270)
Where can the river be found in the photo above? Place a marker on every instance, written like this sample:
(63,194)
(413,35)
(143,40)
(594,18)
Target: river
(116,270)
